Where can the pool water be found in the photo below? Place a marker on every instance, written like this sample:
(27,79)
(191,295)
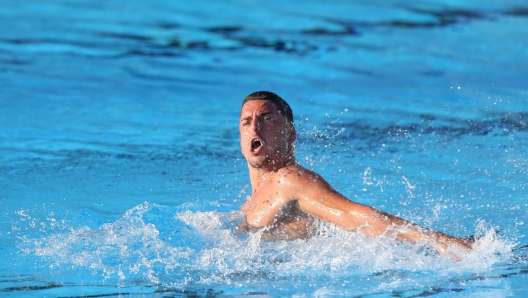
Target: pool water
(121,174)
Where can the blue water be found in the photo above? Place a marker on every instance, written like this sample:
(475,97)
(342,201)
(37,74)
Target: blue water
(120,171)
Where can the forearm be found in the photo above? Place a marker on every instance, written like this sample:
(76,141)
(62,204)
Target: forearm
(323,202)
(403,230)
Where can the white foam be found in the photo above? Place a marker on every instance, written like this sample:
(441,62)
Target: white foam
(206,247)
(333,249)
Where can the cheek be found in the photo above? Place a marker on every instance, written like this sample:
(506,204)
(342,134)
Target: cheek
(244,137)
(243,134)
(244,131)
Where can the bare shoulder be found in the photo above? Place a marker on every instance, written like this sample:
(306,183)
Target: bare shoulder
(294,172)
(297,176)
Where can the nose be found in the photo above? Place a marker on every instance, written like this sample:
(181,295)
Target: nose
(255,125)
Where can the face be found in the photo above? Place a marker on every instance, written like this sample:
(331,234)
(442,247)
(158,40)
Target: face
(265,138)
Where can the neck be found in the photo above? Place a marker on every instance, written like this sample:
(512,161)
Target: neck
(262,174)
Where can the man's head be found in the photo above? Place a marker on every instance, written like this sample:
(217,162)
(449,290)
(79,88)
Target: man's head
(267,132)
(282,106)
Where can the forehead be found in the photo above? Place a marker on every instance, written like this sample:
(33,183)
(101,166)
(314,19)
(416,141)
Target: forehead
(258,107)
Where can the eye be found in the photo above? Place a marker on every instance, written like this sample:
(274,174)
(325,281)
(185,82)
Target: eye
(269,119)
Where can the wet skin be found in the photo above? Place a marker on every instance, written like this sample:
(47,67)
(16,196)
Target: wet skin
(286,196)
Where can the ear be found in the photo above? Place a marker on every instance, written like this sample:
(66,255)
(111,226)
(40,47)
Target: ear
(292,134)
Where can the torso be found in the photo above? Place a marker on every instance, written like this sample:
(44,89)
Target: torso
(273,207)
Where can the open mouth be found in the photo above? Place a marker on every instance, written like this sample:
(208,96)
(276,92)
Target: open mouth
(255,145)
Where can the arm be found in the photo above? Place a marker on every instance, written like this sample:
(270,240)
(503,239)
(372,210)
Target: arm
(319,199)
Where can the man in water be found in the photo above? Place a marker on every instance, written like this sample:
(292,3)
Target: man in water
(286,197)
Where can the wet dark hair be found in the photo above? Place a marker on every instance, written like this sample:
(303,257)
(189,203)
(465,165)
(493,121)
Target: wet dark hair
(282,106)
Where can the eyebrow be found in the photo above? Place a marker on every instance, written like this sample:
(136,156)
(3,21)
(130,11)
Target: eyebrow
(259,115)
(265,114)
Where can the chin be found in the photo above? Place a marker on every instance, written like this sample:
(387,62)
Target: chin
(256,165)
(257,162)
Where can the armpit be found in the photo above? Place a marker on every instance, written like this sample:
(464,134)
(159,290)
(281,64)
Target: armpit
(300,229)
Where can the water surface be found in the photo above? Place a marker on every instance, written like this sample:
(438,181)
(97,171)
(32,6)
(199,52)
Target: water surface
(120,170)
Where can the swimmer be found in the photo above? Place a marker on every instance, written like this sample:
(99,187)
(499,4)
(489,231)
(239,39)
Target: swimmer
(287,198)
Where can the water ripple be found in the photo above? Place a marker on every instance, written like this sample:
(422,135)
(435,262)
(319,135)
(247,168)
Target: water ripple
(161,37)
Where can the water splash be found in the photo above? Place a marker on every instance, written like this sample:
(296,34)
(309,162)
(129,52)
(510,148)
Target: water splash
(174,248)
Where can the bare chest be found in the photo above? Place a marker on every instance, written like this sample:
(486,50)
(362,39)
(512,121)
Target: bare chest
(272,211)
(262,207)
